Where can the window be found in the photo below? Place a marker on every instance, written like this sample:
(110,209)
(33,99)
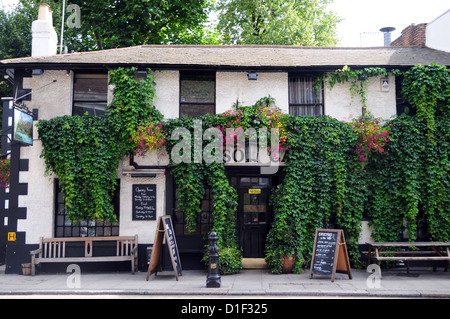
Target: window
(90,94)
(197,93)
(204,221)
(65,228)
(304,97)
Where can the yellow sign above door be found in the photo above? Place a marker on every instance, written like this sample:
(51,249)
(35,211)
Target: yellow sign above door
(254,191)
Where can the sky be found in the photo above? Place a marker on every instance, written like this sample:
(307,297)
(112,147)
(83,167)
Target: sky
(362,19)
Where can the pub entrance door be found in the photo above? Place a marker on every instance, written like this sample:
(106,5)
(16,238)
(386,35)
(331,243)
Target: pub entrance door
(254,215)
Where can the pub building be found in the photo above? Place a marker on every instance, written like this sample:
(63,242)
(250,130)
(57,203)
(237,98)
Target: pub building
(52,85)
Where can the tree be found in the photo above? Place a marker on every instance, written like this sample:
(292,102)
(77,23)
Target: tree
(122,23)
(106,24)
(283,22)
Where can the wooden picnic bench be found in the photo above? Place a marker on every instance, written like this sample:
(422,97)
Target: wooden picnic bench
(409,251)
(53,250)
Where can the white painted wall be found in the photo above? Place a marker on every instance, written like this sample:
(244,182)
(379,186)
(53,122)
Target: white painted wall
(53,100)
(145,229)
(233,86)
(340,104)
(40,201)
(436,33)
(167,88)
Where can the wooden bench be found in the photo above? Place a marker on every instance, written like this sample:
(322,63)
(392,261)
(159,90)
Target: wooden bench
(53,250)
(434,251)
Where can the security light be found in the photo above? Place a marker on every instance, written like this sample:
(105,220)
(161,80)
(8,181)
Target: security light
(252,76)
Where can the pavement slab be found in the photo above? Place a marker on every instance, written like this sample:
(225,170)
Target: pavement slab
(393,284)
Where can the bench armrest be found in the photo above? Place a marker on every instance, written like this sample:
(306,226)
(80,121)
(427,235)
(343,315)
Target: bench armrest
(35,252)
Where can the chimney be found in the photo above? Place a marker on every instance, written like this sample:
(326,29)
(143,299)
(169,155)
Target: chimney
(387,35)
(412,36)
(44,39)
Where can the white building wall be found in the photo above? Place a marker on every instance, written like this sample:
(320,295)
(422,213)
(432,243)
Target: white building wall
(53,100)
(40,201)
(145,229)
(381,103)
(235,86)
(167,88)
(436,33)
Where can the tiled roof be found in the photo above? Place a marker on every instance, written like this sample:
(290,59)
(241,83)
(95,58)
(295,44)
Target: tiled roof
(258,57)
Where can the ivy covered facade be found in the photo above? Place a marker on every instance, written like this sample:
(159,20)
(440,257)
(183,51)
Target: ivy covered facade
(360,149)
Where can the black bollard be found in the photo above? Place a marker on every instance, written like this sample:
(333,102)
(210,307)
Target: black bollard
(213,278)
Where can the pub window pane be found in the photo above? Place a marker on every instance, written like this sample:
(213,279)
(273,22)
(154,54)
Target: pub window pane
(65,228)
(193,110)
(204,220)
(305,98)
(197,93)
(90,94)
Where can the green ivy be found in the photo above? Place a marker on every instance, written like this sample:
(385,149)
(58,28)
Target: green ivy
(358,79)
(191,180)
(325,184)
(404,185)
(322,187)
(85,151)
(418,163)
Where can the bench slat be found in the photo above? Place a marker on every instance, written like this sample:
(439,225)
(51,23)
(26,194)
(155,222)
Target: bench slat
(82,259)
(53,250)
(412,258)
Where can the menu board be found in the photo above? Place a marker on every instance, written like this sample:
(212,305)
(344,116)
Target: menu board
(172,243)
(325,251)
(330,253)
(144,201)
(164,229)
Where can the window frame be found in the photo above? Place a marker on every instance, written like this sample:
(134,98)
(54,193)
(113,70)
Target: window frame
(90,224)
(204,218)
(193,74)
(94,74)
(296,105)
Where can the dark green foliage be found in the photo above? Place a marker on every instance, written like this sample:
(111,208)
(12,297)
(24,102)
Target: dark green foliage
(85,151)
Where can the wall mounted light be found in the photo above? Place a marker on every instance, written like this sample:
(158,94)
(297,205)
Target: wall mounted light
(252,76)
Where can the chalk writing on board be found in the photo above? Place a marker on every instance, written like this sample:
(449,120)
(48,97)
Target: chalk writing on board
(144,202)
(330,253)
(173,245)
(325,252)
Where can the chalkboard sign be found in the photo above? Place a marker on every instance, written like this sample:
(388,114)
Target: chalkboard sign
(172,245)
(164,228)
(144,201)
(330,253)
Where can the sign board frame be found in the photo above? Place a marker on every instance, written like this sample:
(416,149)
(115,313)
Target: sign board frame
(164,228)
(337,259)
(22,127)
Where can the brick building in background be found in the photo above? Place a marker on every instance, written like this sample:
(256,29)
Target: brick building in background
(412,36)
(433,35)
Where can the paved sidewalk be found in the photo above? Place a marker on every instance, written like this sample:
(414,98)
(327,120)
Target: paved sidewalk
(423,283)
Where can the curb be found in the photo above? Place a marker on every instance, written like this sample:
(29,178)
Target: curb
(219,292)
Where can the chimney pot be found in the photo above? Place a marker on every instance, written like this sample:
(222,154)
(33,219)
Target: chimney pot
(44,11)
(387,35)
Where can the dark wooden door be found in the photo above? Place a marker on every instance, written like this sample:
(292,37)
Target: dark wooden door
(254,217)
